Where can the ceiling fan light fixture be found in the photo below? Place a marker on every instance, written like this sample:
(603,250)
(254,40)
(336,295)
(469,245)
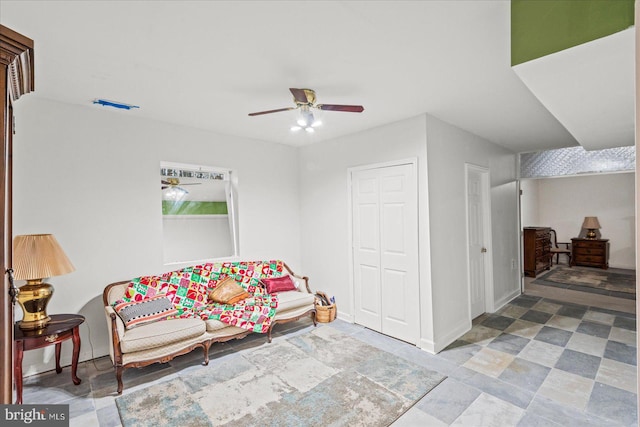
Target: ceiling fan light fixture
(316,123)
(175,194)
(309,129)
(295,128)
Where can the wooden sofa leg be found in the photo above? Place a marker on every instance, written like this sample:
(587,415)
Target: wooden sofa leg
(269,333)
(119,370)
(206,348)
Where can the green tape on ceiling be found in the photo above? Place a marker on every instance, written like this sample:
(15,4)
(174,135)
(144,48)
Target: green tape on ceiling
(540,27)
(193,208)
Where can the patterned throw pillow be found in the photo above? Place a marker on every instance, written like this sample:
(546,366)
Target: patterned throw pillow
(228,291)
(137,313)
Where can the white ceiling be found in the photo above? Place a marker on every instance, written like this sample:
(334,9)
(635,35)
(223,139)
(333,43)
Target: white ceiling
(207,64)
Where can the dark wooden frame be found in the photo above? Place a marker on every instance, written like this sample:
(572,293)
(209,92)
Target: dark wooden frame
(205,344)
(556,250)
(17,75)
(61,328)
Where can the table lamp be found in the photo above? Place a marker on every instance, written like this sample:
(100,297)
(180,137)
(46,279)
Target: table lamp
(591,223)
(35,258)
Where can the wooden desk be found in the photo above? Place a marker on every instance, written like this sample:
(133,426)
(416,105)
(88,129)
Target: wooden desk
(60,328)
(590,252)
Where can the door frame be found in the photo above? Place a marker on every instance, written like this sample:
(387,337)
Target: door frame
(410,161)
(486,225)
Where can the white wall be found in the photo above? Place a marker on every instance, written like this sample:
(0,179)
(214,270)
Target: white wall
(442,151)
(530,209)
(448,149)
(324,206)
(564,202)
(89,175)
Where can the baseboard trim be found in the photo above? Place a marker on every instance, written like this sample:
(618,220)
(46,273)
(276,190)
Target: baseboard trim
(427,345)
(455,333)
(505,300)
(344,316)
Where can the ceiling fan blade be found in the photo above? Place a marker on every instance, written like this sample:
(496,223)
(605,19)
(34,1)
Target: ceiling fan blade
(300,95)
(272,111)
(165,187)
(347,108)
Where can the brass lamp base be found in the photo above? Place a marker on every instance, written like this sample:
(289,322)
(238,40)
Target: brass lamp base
(33,298)
(591,234)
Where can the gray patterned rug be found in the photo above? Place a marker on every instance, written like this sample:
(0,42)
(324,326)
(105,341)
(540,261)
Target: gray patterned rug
(323,377)
(613,282)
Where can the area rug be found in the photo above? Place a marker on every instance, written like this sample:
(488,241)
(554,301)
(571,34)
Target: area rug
(619,283)
(320,378)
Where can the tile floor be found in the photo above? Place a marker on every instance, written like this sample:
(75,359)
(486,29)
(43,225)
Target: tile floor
(535,362)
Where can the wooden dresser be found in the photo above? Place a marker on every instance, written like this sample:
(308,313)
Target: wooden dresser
(537,257)
(590,252)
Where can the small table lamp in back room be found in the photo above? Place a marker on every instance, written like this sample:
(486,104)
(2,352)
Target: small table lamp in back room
(591,223)
(35,258)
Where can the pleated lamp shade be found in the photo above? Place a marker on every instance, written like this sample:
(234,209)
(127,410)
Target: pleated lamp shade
(591,222)
(38,256)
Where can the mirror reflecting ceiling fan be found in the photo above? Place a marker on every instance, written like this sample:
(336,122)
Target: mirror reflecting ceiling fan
(175,183)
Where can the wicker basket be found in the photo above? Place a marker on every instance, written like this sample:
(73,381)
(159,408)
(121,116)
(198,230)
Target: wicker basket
(324,313)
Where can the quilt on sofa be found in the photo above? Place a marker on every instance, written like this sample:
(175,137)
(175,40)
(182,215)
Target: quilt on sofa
(188,289)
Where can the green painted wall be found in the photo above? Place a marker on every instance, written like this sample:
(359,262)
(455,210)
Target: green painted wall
(542,27)
(193,208)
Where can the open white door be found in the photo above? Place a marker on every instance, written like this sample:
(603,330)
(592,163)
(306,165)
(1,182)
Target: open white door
(385,250)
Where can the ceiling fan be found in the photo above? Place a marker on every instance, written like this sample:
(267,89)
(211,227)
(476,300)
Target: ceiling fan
(305,100)
(175,182)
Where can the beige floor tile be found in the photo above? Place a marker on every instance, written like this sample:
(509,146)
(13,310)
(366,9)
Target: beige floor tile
(618,375)
(480,335)
(547,307)
(564,322)
(489,362)
(624,336)
(489,411)
(541,353)
(513,311)
(567,389)
(587,344)
(524,328)
(597,317)
(86,420)
(415,417)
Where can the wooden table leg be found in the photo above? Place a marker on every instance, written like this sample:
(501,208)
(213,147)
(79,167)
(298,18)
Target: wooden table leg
(58,349)
(76,355)
(18,352)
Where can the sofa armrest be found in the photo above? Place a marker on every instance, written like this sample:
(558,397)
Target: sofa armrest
(305,278)
(116,329)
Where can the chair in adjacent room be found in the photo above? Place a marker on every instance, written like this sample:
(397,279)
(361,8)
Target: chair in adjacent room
(559,248)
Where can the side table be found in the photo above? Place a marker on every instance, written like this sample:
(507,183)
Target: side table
(60,328)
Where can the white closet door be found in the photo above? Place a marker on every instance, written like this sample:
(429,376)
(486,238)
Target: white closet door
(385,238)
